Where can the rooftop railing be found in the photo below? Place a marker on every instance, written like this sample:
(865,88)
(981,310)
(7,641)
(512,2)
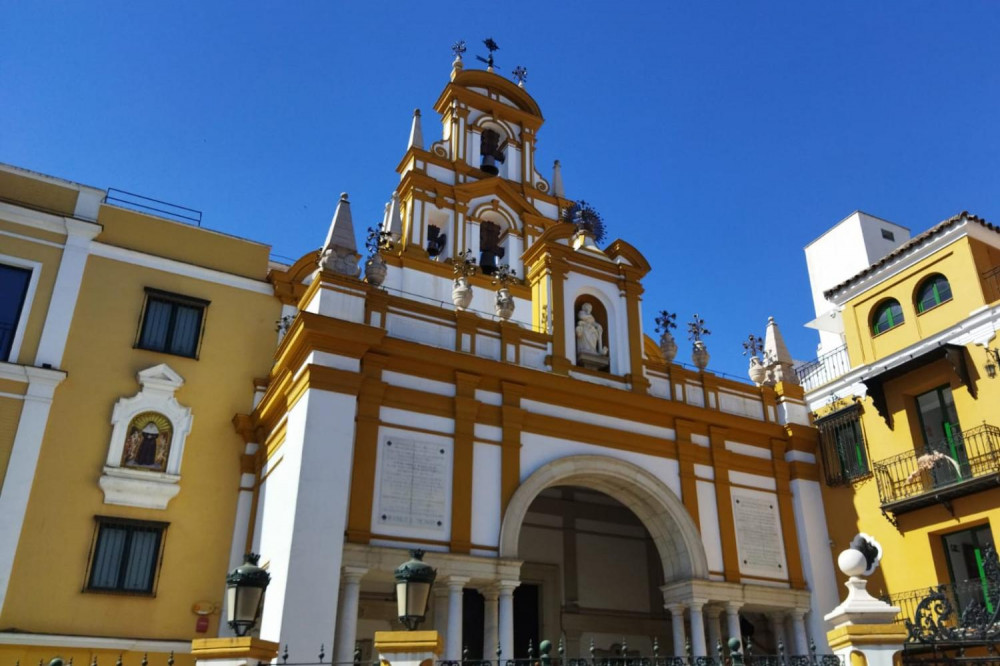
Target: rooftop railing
(824,369)
(955,466)
(142,204)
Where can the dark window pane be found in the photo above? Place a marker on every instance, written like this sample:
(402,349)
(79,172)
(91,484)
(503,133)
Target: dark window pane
(156,326)
(187,323)
(842,446)
(888,315)
(141,561)
(108,557)
(13,288)
(933,292)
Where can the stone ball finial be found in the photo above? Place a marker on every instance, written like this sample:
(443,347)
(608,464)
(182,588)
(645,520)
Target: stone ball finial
(862,558)
(343,197)
(734,645)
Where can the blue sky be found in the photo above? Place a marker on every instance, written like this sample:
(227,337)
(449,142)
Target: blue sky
(717,137)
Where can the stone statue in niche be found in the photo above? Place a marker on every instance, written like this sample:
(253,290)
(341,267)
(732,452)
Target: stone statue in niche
(590,350)
(147,442)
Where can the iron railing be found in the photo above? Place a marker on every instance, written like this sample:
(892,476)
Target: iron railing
(946,469)
(960,595)
(824,369)
(991,284)
(143,204)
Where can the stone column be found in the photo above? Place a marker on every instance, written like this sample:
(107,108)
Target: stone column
(733,621)
(453,639)
(347,618)
(697,628)
(799,627)
(714,634)
(491,629)
(506,621)
(776,620)
(677,627)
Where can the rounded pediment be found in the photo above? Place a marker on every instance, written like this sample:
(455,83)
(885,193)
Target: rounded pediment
(510,91)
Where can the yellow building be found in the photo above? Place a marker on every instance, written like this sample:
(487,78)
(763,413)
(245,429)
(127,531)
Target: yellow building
(908,409)
(120,375)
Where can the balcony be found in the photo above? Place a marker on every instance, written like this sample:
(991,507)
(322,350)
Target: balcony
(959,595)
(824,369)
(968,462)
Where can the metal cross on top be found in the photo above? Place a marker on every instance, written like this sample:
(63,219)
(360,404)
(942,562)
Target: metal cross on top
(520,74)
(491,46)
(458,48)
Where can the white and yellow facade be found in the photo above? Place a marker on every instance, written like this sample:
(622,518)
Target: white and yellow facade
(640,500)
(71,382)
(907,411)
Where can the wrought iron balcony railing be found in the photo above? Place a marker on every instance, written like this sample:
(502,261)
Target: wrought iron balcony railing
(959,465)
(959,595)
(824,369)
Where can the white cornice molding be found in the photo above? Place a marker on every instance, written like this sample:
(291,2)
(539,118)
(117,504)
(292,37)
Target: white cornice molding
(979,328)
(28,374)
(180,268)
(94,642)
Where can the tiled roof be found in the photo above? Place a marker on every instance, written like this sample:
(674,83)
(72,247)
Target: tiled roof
(909,246)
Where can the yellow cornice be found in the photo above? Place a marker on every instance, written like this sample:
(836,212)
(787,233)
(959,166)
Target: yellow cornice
(245,647)
(404,642)
(866,634)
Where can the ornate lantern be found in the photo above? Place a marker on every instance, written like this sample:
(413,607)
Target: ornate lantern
(413,589)
(245,587)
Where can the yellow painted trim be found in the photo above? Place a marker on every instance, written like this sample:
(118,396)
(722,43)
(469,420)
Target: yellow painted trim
(866,634)
(245,647)
(402,642)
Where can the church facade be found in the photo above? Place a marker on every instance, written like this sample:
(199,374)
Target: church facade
(480,387)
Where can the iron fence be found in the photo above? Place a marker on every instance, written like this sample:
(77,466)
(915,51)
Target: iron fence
(961,596)
(824,369)
(144,204)
(946,465)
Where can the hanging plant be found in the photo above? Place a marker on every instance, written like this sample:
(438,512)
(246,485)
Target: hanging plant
(586,218)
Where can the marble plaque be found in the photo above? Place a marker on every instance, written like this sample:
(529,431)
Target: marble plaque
(414,484)
(759,541)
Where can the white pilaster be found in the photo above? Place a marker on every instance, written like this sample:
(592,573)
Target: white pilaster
(506,622)
(733,621)
(817,560)
(52,344)
(347,619)
(23,458)
(491,633)
(697,628)
(677,628)
(238,546)
(453,639)
(302,538)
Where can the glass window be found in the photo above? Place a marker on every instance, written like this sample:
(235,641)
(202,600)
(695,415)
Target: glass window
(125,556)
(887,315)
(967,555)
(934,291)
(843,446)
(13,289)
(172,323)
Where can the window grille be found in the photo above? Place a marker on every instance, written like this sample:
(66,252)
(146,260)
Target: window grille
(126,555)
(843,446)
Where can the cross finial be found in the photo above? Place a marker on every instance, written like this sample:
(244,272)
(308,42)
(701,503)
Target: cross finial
(458,48)
(520,75)
(491,46)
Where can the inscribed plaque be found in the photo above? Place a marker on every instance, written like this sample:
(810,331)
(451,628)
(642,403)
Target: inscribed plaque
(413,484)
(759,541)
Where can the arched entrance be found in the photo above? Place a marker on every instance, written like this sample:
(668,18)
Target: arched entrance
(598,538)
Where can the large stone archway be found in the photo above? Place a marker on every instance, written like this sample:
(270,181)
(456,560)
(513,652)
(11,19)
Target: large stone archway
(677,540)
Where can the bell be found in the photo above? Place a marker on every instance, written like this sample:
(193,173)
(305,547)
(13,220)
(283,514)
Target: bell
(490,165)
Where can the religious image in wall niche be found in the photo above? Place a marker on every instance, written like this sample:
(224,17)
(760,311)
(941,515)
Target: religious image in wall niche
(147,444)
(590,350)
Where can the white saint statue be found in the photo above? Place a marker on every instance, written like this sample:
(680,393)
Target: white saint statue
(589,333)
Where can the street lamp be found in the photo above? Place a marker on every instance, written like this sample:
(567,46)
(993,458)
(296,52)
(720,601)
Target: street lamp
(245,587)
(413,589)
(992,361)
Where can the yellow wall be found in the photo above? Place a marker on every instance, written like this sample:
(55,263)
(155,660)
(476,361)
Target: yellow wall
(10,412)
(26,188)
(51,561)
(914,555)
(49,257)
(955,262)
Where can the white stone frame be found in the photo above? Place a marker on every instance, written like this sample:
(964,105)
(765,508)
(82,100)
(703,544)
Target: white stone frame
(29,297)
(142,488)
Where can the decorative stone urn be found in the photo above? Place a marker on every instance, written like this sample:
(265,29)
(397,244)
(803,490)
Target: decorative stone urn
(699,355)
(375,270)
(461,293)
(668,347)
(504,304)
(757,371)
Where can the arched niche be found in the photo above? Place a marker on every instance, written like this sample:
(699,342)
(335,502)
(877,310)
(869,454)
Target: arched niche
(587,356)
(678,543)
(497,235)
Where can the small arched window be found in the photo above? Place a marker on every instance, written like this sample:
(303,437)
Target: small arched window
(932,292)
(887,315)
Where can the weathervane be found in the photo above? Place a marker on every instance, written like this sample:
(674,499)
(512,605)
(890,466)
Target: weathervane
(491,46)
(458,48)
(520,75)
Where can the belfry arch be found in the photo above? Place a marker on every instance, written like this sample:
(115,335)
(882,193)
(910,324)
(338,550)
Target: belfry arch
(677,540)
